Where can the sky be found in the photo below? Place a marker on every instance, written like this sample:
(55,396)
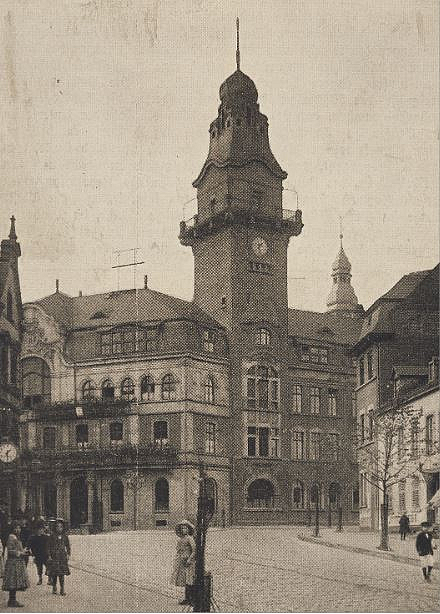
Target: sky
(106,106)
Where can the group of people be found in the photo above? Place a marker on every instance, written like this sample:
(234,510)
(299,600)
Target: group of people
(49,547)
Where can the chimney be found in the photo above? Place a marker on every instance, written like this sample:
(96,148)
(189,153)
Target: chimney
(80,293)
(57,285)
(146,282)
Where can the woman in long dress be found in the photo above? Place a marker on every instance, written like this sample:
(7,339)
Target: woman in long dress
(185,560)
(15,576)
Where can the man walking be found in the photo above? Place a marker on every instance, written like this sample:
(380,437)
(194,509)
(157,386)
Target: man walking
(425,551)
(403,526)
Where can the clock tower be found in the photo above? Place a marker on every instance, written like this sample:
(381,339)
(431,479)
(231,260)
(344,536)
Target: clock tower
(241,232)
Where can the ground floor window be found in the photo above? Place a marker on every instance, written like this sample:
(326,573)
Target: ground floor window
(161,496)
(116,496)
(298,495)
(260,494)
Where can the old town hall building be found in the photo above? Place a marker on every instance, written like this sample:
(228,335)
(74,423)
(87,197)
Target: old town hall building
(126,392)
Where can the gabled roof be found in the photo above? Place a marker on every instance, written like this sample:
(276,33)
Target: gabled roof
(120,307)
(327,327)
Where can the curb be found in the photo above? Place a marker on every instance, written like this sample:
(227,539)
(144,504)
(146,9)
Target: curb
(379,554)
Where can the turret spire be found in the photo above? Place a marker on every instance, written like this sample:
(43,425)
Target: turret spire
(12,233)
(237,53)
(342,296)
(341,236)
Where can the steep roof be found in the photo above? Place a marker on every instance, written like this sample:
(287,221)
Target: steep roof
(407,284)
(120,307)
(330,327)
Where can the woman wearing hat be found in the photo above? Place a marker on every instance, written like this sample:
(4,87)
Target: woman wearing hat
(184,563)
(59,552)
(15,575)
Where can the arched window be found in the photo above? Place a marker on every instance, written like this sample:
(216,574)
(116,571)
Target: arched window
(168,387)
(263,336)
(9,310)
(116,496)
(298,495)
(88,391)
(116,431)
(127,389)
(108,390)
(36,382)
(147,388)
(161,496)
(260,494)
(263,388)
(211,492)
(334,495)
(210,389)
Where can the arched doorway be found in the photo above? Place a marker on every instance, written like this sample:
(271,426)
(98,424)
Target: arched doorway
(50,500)
(79,502)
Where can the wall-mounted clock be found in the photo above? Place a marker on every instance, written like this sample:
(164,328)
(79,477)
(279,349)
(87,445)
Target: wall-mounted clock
(8,452)
(259,246)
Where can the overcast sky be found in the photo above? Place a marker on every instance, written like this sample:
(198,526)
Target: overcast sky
(106,106)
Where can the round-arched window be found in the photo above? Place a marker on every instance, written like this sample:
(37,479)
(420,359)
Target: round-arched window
(88,391)
(147,388)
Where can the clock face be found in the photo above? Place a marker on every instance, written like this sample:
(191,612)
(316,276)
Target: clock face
(259,246)
(8,452)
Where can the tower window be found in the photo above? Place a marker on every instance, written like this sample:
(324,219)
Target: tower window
(262,388)
(160,433)
(210,389)
(263,336)
(208,341)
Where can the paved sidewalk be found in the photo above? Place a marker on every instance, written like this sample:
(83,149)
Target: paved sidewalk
(366,542)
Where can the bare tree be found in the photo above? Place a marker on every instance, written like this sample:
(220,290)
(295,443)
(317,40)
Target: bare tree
(392,455)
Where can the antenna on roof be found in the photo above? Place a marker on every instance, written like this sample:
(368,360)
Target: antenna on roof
(134,264)
(237,53)
(341,235)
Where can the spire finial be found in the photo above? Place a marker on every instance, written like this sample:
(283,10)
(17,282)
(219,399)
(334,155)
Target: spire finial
(237,53)
(12,233)
(341,236)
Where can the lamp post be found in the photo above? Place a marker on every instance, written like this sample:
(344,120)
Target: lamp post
(205,510)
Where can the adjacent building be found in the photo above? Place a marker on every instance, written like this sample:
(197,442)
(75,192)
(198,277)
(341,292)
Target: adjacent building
(398,339)
(10,345)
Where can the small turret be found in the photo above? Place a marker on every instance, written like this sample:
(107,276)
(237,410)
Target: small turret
(342,296)
(10,249)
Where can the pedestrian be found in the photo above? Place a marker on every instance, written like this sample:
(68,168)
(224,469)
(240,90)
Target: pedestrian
(425,550)
(403,526)
(184,563)
(39,546)
(59,553)
(15,575)
(25,536)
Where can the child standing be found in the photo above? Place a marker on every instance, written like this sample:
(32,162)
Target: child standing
(184,562)
(425,551)
(38,545)
(59,553)
(15,575)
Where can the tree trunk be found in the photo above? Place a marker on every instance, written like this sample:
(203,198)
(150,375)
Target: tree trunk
(384,538)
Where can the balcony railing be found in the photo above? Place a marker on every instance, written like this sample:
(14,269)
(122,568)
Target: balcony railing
(92,408)
(75,457)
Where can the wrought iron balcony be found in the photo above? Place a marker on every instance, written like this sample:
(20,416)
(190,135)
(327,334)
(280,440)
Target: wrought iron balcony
(88,457)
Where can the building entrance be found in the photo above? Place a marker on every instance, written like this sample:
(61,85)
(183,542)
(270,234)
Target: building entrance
(78,502)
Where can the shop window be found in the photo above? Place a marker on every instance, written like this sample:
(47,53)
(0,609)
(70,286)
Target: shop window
(117,496)
(260,494)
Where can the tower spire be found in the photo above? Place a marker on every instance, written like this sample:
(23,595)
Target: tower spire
(12,233)
(237,53)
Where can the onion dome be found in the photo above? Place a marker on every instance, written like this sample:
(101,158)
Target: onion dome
(237,88)
(342,296)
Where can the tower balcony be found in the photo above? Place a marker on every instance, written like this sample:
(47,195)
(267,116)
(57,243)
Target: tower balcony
(193,230)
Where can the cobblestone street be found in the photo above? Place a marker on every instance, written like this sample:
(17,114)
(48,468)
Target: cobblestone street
(254,569)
